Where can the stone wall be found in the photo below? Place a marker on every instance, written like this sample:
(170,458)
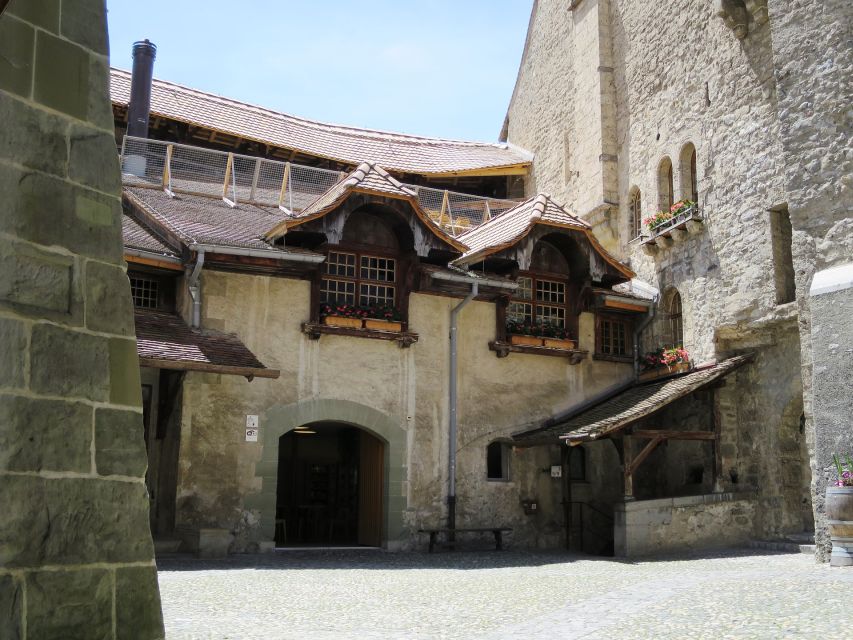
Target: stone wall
(76,559)
(399,394)
(647,527)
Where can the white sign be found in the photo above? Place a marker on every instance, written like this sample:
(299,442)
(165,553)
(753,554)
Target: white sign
(556,471)
(251,428)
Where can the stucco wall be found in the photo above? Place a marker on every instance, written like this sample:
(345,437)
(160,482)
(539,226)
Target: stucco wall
(221,475)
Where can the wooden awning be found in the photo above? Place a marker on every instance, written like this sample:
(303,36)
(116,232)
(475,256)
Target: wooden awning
(164,341)
(626,407)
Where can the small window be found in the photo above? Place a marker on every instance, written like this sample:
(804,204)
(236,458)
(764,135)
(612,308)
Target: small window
(689,186)
(665,194)
(781,236)
(614,337)
(674,317)
(497,461)
(577,464)
(145,292)
(635,213)
(362,279)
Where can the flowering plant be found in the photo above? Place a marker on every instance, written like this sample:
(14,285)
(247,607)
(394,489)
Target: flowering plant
(665,358)
(383,312)
(342,310)
(845,476)
(662,217)
(541,329)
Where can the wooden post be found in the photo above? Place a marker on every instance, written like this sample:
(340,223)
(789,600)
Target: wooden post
(487,212)
(229,167)
(628,474)
(255,179)
(167,169)
(284,180)
(716,423)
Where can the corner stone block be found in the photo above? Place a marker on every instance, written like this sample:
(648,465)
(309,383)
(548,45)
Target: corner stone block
(100,107)
(84,22)
(49,211)
(37,140)
(68,363)
(17,43)
(45,435)
(119,443)
(11,601)
(61,69)
(72,605)
(93,159)
(41,13)
(13,349)
(108,305)
(125,385)
(138,614)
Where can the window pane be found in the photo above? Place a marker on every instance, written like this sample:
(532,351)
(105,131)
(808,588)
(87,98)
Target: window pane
(525,288)
(520,312)
(337,291)
(379,269)
(340,264)
(554,315)
(550,291)
(376,294)
(144,292)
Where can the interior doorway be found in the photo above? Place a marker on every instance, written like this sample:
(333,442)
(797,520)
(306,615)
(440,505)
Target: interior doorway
(330,488)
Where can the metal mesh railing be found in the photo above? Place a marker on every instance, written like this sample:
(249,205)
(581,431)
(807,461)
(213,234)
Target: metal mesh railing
(238,178)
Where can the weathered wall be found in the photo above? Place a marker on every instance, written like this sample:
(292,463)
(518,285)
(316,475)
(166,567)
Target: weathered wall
(221,475)
(647,527)
(76,559)
(681,77)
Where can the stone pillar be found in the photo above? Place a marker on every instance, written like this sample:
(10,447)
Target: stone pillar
(76,557)
(832,379)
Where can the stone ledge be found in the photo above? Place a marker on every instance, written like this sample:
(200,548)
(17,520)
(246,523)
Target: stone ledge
(404,339)
(684,501)
(503,349)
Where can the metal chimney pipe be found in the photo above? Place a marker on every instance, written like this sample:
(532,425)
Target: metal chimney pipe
(140,88)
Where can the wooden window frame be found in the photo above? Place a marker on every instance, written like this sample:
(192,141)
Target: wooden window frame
(635,209)
(166,290)
(543,276)
(628,326)
(675,319)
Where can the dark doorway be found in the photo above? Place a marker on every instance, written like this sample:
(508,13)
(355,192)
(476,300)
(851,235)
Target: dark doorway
(330,486)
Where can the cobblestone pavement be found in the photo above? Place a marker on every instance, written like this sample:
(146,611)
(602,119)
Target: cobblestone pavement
(491,595)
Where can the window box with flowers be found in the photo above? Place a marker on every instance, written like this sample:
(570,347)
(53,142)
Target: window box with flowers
(342,315)
(684,214)
(380,322)
(383,318)
(664,362)
(539,334)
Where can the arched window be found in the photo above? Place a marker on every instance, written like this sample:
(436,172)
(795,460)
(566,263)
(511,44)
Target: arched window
(689,185)
(635,212)
(674,318)
(541,296)
(665,193)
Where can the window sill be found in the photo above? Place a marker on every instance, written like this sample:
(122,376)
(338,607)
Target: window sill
(503,349)
(611,358)
(404,339)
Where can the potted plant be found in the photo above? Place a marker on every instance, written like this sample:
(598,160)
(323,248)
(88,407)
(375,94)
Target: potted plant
(664,362)
(342,315)
(383,318)
(523,333)
(556,337)
(839,514)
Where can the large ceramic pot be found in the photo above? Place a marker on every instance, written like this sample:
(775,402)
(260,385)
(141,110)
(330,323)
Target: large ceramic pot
(839,515)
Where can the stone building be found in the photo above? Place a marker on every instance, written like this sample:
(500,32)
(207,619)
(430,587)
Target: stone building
(76,555)
(738,106)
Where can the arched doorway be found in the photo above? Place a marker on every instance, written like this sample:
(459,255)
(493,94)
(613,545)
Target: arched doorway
(330,487)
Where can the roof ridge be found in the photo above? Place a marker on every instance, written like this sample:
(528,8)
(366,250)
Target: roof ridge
(366,131)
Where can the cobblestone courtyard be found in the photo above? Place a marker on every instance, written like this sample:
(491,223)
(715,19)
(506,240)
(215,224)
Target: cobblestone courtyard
(370,594)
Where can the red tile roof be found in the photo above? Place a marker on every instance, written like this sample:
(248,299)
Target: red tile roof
(351,145)
(165,341)
(138,237)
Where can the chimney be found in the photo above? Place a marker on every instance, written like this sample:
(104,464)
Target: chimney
(140,88)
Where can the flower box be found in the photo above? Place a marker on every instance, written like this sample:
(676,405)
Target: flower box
(382,325)
(558,343)
(528,341)
(341,321)
(662,372)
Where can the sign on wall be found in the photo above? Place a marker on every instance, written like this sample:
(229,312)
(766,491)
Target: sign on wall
(252,428)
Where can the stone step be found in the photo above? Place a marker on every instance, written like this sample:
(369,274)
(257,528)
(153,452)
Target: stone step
(784,546)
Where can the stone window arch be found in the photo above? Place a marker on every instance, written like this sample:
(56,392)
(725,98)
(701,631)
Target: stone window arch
(635,212)
(665,192)
(674,318)
(689,182)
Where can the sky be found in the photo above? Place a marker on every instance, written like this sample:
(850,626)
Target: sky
(431,67)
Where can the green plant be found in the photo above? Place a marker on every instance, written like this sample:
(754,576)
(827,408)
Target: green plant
(665,357)
(542,329)
(845,476)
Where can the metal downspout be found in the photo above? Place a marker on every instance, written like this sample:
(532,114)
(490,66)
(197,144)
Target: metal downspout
(194,288)
(451,483)
(650,314)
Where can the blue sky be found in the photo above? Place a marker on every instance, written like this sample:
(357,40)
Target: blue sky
(433,67)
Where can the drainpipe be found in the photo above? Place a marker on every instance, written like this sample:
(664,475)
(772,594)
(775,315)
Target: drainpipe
(451,484)
(194,287)
(650,314)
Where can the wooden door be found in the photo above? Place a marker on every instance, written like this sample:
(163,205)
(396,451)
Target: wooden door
(371,479)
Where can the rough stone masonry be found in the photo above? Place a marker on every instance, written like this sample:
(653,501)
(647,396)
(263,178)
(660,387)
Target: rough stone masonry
(76,557)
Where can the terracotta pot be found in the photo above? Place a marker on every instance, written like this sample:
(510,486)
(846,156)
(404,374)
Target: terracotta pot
(340,321)
(662,372)
(839,518)
(527,341)
(558,343)
(382,325)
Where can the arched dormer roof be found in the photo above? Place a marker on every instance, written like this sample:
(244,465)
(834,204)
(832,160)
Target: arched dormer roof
(369,179)
(512,226)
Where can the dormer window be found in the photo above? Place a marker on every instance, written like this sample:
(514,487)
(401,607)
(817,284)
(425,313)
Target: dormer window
(358,279)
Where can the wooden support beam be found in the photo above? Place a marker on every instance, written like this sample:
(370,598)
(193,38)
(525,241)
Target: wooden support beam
(167,169)
(284,180)
(636,462)
(229,167)
(668,434)
(716,424)
(627,474)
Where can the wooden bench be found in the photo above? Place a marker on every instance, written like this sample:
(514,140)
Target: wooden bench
(497,531)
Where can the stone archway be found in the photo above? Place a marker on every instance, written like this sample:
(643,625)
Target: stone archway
(281,419)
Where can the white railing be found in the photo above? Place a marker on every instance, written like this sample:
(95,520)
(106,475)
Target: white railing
(179,168)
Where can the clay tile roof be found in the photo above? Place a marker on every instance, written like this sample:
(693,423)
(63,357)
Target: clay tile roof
(137,237)
(627,406)
(164,340)
(202,220)
(351,145)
